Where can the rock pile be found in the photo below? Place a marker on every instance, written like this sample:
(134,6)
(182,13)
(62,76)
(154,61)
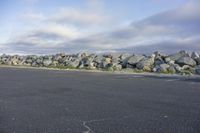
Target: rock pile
(181,62)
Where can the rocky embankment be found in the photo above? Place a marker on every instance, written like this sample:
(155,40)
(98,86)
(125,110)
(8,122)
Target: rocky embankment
(179,63)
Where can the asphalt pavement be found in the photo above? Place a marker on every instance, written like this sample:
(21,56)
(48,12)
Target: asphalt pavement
(50,101)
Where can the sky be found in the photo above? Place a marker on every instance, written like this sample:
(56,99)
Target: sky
(98,26)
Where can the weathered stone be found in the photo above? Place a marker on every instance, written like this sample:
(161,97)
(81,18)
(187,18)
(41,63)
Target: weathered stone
(177,68)
(159,61)
(185,67)
(171,69)
(133,60)
(146,64)
(35,64)
(98,59)
(87,62)
(186,61)
(164,68)
(197,69)
(198,61)
(47,62)
(159,54)
(72,64)
(124,56)
(29,61)
(8,62)
(178,55)
(106,63)
(177,63)
(117,67)
(39,61)
(188,69)
(194,55)
(55,63)
(15,61)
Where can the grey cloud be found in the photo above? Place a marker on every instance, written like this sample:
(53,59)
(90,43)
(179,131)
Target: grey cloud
(170,26)
(164,47)
(45,35)
(167,31)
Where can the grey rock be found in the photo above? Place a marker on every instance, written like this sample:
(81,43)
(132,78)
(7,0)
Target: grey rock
(39,61)
(197,69)
(172,69)
(87,62)
(35,64)
(57,57)
(117,67)
(178,55)
(14,61)
(115,61)
(29,61)
(159,54)
(133,60)
(188,68)
(194,55)
(55,63)
(186,61)
(180,62)
(72,64)
(8,62)
(146,64)
(124,56)
(177,68)
(98,59)
(164,68)
(106,63)
(47,62)
(159,61)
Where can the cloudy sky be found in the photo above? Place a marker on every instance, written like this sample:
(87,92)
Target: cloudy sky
(54,26)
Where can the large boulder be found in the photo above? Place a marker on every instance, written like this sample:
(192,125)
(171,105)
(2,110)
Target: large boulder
(172,69)
(186,61)
(29,61)
(133,60)
(8,62)
(124,56)
(47,62)
(146,64)
(58,57)
(14,60)
(162,68)
(39,61)
(178,55)
(194,55)
(72,64)
(87,62)
(158,61)
(188,69)
(98,59)
(106,62)
(35,64)
(159,54)
(117,67)
(177,68)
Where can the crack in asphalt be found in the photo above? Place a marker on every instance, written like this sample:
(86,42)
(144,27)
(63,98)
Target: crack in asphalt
(89,130)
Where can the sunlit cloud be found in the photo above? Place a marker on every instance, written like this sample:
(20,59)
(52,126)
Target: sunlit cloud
(80,29)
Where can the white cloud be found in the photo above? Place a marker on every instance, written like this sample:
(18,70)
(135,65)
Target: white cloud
(67,30)
(78,17)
